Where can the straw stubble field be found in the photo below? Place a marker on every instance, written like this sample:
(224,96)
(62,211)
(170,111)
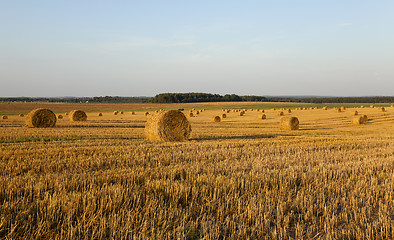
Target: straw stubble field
(239,178)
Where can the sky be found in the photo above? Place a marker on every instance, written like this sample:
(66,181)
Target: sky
(52,48)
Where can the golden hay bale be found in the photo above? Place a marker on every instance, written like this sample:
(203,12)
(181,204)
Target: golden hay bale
(77,115)
(362,106)
(289,123)
(100,114)
(197,112)
(280,113)
(262,116)
(216,119)
(66,113)
(121,112)
(262,110)
(4,117)
(228,111)
(371,106)
(21,115)
(224,115)
(382,109)
(241,113)
(167,126)
(132,113)
(289,110)
(146,113)
(191,114)
(59,116)
(338,110)
(358,120)
(343,108)
(41,118)
(392,106)
(316,107)
(325,108)
(365,118)
(115,112)
(355,113)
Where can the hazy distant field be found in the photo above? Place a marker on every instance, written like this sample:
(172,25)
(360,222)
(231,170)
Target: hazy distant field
(239,178)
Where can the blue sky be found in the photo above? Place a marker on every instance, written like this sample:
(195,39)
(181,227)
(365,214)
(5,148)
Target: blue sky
(142,48)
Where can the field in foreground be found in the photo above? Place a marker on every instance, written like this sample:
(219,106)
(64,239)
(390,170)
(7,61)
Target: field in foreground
(239,178)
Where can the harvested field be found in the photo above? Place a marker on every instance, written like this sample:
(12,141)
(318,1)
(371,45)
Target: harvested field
(237,179)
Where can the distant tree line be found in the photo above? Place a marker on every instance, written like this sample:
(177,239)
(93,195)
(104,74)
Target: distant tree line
(333,99)
(106,99)
(201,97)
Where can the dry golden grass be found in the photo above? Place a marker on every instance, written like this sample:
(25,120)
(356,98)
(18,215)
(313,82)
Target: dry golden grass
(242,178)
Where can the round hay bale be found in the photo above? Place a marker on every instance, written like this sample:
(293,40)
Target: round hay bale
(4,117)
(358,120)
(191,114)
(77,116)
(228,111)
(66,113)
(262,110)
(21,115)
(41,118)
(132,113)
(242,113)
(289,123)
(325,108)
(262,116)
(289,110)
(100,114)
(224,115)
(343,108)
(392,106)
(280,113)
(355,113)
(216,119)
(197,112)
(338,110)
(146,113)
(362,106)
(371,106)
(382,109)
(59,116)
(167,126)
(115,112)
(365,118)
(121,112)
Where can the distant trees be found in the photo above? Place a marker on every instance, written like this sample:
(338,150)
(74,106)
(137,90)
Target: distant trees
(106,99)
(202,97)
